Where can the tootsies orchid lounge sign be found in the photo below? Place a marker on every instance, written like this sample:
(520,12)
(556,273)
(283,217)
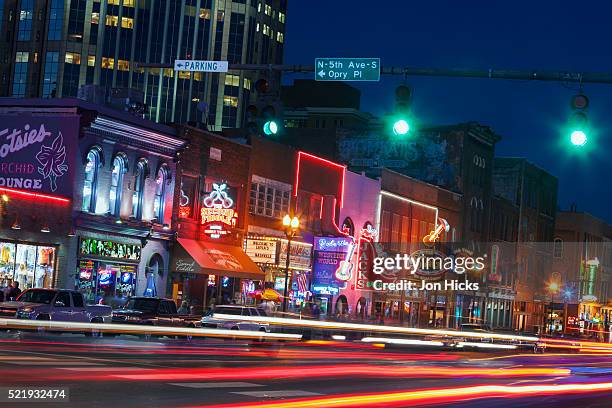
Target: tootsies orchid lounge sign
(37,153)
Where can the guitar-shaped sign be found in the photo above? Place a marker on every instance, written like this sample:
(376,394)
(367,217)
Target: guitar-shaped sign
(345,268)
(433,236)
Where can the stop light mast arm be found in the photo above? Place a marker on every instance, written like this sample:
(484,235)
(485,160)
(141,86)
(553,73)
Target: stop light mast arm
(534,75)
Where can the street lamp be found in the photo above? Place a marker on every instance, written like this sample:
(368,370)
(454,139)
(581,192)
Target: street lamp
(291,225)
(553,287)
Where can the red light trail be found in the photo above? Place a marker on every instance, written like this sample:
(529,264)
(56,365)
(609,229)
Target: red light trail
(427,396)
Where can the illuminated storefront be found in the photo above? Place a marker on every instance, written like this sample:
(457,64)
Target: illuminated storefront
(32,265)
(107,270)
(270,254)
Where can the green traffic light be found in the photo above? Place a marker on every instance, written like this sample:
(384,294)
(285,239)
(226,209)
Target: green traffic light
(270,128)
(578,138)
(401,127)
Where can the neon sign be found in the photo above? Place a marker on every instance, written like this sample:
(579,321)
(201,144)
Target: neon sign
(433,236)
(218,215)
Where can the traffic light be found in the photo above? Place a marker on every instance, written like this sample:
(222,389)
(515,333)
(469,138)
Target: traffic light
(263,117)
(578,122)
(401,119)
(270,128)
(401,127)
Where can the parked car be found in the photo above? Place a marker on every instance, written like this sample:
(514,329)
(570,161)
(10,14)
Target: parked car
(153,311)
(55,305)
(211,318)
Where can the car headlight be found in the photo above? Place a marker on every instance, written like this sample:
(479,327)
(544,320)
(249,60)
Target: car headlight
(25,314)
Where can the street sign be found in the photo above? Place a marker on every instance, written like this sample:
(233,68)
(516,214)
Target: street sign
(201,66)
(347,69)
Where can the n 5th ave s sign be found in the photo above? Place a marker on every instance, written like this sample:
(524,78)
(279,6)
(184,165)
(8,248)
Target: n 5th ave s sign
(201,66)
(347,69)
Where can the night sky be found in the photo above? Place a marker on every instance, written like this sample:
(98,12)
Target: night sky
(529,116)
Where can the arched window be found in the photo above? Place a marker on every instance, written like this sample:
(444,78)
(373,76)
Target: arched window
(156,265)
(348,226)
(160,193)
(114,196)
(141,169)
(90,180)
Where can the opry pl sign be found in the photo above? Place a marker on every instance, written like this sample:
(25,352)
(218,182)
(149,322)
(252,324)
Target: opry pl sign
(37,153)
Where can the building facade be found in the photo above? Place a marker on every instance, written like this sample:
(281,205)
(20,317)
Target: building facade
(582,271)
(55,47)
(533,193)
(208,263)
(89,201)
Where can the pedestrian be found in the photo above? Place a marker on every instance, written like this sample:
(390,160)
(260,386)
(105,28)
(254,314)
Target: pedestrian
(184,309)
(6,291)
(316,311)
(15,291)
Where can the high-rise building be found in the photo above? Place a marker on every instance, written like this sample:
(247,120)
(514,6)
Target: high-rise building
(52,48)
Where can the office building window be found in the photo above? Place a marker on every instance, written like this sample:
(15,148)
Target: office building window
(236,36)
(281,17)
(116,187)
(24,31)
(90,180)
(50,75)
(268,197)
(76,19)
(233,80)
(56,14)
(21,73)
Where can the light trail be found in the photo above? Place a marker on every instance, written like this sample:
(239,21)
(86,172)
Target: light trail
(402,341)
(300,372)
(427,396)
(141,329)
(486,345)
(374,328)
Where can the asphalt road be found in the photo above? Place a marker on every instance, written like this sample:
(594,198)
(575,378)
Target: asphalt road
(129,372)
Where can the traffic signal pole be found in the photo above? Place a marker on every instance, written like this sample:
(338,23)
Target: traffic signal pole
(507,74)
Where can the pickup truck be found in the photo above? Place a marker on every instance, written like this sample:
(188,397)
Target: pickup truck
(154,312)
(55,305)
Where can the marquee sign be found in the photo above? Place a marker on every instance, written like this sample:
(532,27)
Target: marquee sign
(37,153)
(218,215)
(109,249)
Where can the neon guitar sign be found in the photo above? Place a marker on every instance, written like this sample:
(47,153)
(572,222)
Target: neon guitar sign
(433,236)
(345,269)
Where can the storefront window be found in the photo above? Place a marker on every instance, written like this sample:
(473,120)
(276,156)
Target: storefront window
(105,282)
(7,262)
(33,266)
(45,267)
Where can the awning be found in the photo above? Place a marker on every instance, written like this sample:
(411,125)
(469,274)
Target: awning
(216,259)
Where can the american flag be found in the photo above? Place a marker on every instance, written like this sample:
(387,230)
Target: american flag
(302,282)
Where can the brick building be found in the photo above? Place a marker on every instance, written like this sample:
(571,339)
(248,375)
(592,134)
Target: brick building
(582,270)
(533,192)
(90,203)
(208,263)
